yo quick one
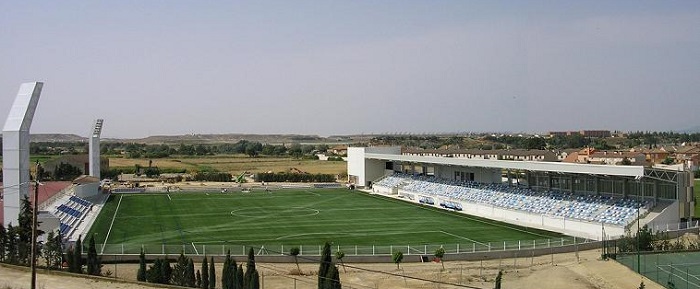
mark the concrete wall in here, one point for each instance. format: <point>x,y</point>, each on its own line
<point>15,150</point>
<point>87,190</point>
<point>368,170</point>
<point>94,149</point>
<point>569,227</point>
<point>481,175</point>
<point>47,221</point>
<point>356,164</point>
<point>668,215</point>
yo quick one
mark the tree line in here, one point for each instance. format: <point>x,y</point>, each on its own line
<point>294,177</point>
<point>233,276</point>
<point>250,148</point>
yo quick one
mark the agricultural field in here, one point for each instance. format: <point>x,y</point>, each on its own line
<point>285,218</point>
<point>235,164</point>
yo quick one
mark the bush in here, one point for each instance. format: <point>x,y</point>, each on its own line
<point>212,177</point>
<point>294,177</point>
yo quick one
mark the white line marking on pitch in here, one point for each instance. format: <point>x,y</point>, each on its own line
<point>195,248</point>
<point>315,194</point>
<point>111,224</point>
<point>169,197</point>
<point>465,238</point>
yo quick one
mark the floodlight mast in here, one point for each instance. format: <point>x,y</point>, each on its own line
<point>15,149</point>
<point>94,148</point>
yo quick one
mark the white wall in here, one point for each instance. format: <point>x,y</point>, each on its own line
<point>367,170</point>
<point>87,190</point>
<point>668,215</point>
<point>356,164</point>
<point>569,227</point>
<point>15,150</point>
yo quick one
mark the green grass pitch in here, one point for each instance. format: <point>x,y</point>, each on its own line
<point>285,218</point>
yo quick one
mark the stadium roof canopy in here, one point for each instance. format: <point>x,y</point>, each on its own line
<point>554,167</point>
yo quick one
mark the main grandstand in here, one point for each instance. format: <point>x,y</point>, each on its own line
<point>583,200</point>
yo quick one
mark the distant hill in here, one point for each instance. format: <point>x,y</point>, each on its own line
<point>228,138</point>
<point>695,129</point>
<point>57,137</point>
<point>197,138</point>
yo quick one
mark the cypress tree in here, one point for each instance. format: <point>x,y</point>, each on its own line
<point>141,275</point>
<point>205,274</point>
<point>324,265</point>
<point>189,273</point>
<point>250,272</point>
<point>225,276</point>
<point>332,280</point>
<point>57,247</point>
<point>155,272</point>
<point>78,256</point>
<point>254,281</point>
<point>11,248</point>
<point>178,275</point>
<point>212,274</point>
<point>239,278</point>
<point>93,262</point>
<point>166,271</point>
<point>198,282</point>
<point>3,242</point>
<point>70,257</point>
<point>24,231</point>
<point>232,278</point>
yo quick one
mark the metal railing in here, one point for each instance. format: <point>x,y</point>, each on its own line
<point>220,249</point>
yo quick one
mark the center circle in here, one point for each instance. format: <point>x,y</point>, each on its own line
<point>274,212</point>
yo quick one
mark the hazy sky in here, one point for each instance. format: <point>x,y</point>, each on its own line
<point>341,67</point>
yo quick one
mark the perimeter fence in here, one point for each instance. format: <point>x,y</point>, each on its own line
<point>680,270</point>
<point>221,248</point>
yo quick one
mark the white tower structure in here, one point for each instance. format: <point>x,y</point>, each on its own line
<point>15,149</point>
<point>94,148</point>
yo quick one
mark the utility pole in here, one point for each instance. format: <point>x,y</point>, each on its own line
<point>35,202</point>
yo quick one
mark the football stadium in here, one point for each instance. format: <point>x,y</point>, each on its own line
<point>474,209</point>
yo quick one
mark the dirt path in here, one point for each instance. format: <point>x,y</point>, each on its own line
<point>566,271</point>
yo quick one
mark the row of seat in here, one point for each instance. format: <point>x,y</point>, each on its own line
<point>593,208</point>
<point>64,229</point>
<point>81,201</point>
<point>70,213</point>
<point>68,210</point>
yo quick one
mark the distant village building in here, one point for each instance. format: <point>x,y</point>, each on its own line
<point>688,155</point>
<point>339,150</point>
<point>585,133</point>
<point>510,155</point>
<point>592,156</point>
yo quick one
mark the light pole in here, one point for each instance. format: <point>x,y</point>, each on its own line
<point>639,269</point>
<point>35,201</point>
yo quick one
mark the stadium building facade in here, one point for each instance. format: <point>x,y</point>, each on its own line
<point>586,200</point>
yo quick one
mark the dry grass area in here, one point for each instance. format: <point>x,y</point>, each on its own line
<point>237,164</point>
<point>558,271</point>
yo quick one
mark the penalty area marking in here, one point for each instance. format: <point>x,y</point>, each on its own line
<point>310,192</point>
<point>195,248</point>
<point>111,224</point>
<point>465,238</point>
